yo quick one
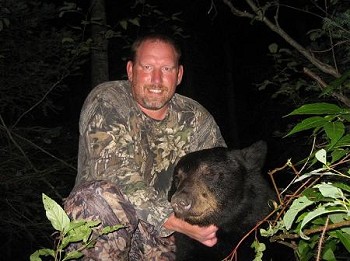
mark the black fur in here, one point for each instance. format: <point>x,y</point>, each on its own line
<point>234,180</point>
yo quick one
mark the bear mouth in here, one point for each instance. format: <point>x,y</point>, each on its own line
<point>202,218</point>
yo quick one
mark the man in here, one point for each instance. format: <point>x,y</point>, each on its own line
<point>132,133</point>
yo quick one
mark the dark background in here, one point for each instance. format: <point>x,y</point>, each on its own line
<point>224,57</point>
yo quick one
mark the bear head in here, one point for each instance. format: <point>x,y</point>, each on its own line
<point>214,186</point>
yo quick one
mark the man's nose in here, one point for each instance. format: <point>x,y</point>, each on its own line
<point>157,76</point>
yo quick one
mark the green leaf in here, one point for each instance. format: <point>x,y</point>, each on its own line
<point>109,229</point>
<point>308,123</point>
<point>78,223</point>
<point>72,255</point>
<point>334,131</point>
<point>124,24</point>
<point>344,141</point>
<point>337,154</point>
<point>345,239</point>
<point>342,186</point>
<point>321,156</point>
<point>272,230</point>
<point>313,194</point>
<point>67,40</point>
<point>259,248</point>
<point>339,81</point>
<point>321,210</point>
<point>304,250</point>
<point>338,218</point>
<point>328,252</point>
<point>317,109</point>
<point>345,117</point>
<point>273,48</point>
<point>81,233</point>
<point>298,205</point>
<point>54,212</point>
<point>330,191</point>
<point>41,252</point>
<point>135,21</point>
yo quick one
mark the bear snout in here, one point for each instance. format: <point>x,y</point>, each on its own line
<point>181,204</point>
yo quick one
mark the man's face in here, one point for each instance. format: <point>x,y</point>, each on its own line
<point>154,75</point>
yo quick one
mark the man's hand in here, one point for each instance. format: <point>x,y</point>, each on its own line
<point>205,235</point>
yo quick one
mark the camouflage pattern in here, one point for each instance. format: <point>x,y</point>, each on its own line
<point>138,240</point>
<point>121,145</point>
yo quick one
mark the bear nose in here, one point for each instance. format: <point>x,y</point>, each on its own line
<point>181,204</point>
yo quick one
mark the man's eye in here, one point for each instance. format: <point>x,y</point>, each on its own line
<point>167,69</point>
<point>147,67</point>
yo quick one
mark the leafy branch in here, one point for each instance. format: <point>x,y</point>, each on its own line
<point>313,215</point>
<point>325,66</point>
<point>69,232</point>
<point>259,14</point>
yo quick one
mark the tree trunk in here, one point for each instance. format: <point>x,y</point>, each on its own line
<point>99,53</point>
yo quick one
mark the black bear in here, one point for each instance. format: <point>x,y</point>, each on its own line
<point>221,187</point>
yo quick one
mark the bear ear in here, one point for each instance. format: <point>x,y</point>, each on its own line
<point>255,154</point>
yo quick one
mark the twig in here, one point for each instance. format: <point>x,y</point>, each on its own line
<point>308,183</point>
<point>320,243</point>
<point>271,173</point>
<point>40,101</point>
<point>234,251</point>
<point>326,227</point>
<point>284,205</point>
<point>324,85</point>
<point>326,68</point>
<point>45,151</point>
<point>9,134</point>
<point>238,12</point>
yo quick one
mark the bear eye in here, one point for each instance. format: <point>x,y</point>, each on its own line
<point>186,168</point>
<point>178,177</point>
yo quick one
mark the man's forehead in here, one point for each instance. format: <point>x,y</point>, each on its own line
<point>156,49</point>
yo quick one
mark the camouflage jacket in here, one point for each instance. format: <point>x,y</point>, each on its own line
<point>119,143</point>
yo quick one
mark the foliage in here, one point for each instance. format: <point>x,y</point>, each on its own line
<point>309,62</point>
<point>296,80</point>
<point>313,213</point>
<point>69,232</point>
<point>311,73</point>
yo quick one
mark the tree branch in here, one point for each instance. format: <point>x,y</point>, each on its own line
<point>321,241</point>
<point>308,232</point>
<point>260,16</point>
<point>342,98</point>
<point>10,136</point>
<point>41,100</point>
<point>238,12</point>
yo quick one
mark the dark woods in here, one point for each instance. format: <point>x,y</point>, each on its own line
<point>53,52</point>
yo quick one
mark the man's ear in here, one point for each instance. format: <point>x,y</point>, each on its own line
<point>180,74</point>
<point>129,67</point>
